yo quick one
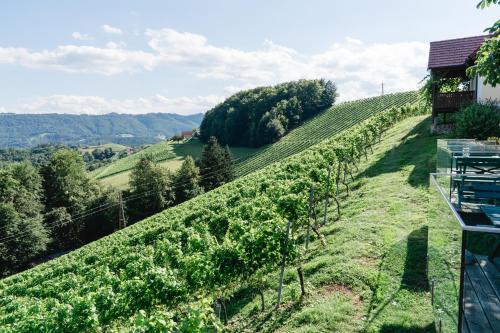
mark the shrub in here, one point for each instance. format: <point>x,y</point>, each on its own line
<point>478,121</point>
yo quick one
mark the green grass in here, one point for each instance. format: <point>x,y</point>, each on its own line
<point>371,276</point>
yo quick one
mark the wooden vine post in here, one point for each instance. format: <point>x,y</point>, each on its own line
<point>280,287</point>
<point>327,194</point>
<point>311,199</point>
<point>337,180</point>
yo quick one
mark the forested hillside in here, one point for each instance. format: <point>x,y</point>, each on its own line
<point>29,130</point>
<point>263,115</point>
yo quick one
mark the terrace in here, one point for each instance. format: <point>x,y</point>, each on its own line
<point>468,184</point>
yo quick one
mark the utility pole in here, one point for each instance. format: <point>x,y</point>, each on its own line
<point>121,213</point>
<point>382,87</point>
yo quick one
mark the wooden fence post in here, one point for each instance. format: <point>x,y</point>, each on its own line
<point>280,288</point>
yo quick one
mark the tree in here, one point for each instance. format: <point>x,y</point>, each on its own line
<point>152,186</point>
<point>104,221</point>
<point>187,181</point>
<point>21,225</point>
<point>69,191</point>
<point>228,171</point>
<point>65,232</point>
<point>67,184</point>
<point>487,63</point>
<point>215,165</point>
<point>242,118</point>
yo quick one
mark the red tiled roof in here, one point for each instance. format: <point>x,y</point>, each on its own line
<point>453,52</point>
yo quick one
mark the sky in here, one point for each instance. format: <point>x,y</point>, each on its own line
<point>96,57</point>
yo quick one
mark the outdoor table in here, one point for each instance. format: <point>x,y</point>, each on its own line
<point>478,164</point>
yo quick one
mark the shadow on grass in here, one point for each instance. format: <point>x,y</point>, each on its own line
<point>274,319</point>
<point>405,154</point>
<point>392,328</point>
<point>414,277</point>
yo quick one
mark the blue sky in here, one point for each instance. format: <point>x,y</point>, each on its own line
<point>186,56</point>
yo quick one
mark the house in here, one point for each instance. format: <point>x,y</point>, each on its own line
<point>450,59</point>
<point>186,134</point>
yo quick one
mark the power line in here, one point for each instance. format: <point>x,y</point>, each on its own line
<point>105,207</point>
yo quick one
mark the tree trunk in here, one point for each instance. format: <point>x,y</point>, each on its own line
<point>301,279</point>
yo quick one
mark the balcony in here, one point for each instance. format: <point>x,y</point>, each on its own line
<point>451,102</point>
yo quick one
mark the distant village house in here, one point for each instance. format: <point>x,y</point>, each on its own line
<point>186,134</point>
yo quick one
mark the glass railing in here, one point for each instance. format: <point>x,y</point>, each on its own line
<point>462,257</point>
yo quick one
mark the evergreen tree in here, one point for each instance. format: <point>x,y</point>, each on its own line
<point>153,186</point>
<point>187,181</point>
<point>228,165</point>
<point>215,165</point>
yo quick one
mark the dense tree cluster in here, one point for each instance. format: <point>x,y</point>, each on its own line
<point>156,188</point>
<point>101,157</point>
<point>38,155</point>
<point>57,206</point>
<point>263,115</point>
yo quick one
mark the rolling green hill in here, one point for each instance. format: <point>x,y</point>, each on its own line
<point>247,160</point>
<point>168,270</point>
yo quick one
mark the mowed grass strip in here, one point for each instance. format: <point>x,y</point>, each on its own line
<point>371,276</point>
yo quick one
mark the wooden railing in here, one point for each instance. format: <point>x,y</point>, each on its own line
<point>452,101</point>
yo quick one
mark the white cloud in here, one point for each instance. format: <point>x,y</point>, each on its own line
<point>113,45</point>
<point>357,67</point>
<point>75,104</point>
<point>353,40</point>
<point>81,59</point>
<point>79,36</point>
<point>111,30</point>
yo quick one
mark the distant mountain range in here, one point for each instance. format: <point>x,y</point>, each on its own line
<point>28,130</point>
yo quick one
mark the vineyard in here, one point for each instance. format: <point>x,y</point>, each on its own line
<point>169,270</point>
<point>321,127</point>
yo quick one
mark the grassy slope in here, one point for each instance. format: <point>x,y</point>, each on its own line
<point>371,276</point>
<point>169,154</point>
